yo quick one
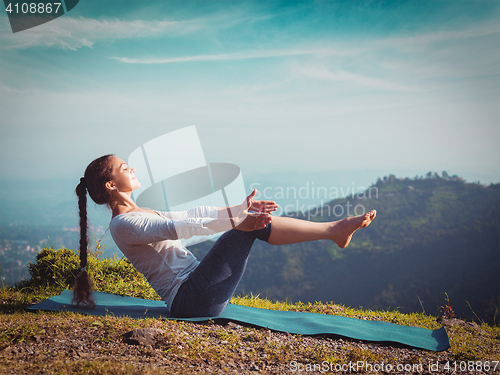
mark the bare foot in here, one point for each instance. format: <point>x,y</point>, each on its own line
<point>343,230</point>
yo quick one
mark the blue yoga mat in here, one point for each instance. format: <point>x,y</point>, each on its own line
<point>283,321</point>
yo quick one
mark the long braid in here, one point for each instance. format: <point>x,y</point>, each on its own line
<point>96,175</point>
<point>82,292</point>
<point>81,191</point>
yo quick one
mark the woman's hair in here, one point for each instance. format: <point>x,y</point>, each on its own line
<point>96,175</point>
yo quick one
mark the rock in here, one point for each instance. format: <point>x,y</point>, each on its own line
<point>231,325</point>
<point>143,336</point>
<point>472,324</point>
<point>450,322</point>
<point>456,322</point>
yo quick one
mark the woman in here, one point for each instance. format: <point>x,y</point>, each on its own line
<point>150,240</point>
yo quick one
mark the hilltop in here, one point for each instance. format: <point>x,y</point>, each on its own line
<point>61,342</point>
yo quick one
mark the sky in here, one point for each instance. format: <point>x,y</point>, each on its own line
<point>303,86</point>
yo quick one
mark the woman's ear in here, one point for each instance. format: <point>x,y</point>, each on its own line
<point>110,186</point>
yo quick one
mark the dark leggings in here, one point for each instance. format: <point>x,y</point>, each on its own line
<point>211,285</point>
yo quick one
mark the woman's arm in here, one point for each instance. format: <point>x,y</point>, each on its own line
<point>143,228</point>
<point>140,228</point>
<point>222,212</point>
<point>195,212</point>
<point>247,216</point>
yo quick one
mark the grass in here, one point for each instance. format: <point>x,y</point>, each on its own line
<point>186,347</point>
<point>468,343</point>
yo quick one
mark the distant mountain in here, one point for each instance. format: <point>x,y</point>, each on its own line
<point>432,235</point>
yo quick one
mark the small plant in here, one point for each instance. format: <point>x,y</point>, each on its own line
<point>447,309</point>
<point>99,248</point>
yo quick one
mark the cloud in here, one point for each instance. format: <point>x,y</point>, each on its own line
<point>446,54</point>
<point>423,41</point>
<point>74,33</point>
<point>233,56</point>
<point>10,90</point>
<point>322,73</point>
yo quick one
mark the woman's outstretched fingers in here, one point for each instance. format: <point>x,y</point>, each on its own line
<point>269,206</point>
<point>263,206</point>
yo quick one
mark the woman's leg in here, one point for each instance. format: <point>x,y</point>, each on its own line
<point>287,230</point>
<point>211,285</point>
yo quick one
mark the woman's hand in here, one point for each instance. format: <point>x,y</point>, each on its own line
<point>260,206</point>
<point>253,221</point>
<point>247,216</point>
<point>248,221</point>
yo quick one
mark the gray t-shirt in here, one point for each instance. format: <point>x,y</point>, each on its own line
<point>151,243</point>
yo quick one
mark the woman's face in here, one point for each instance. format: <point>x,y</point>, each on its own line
<point>124,178</point>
